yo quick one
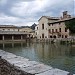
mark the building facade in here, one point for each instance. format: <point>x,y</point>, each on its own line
<point>11,32</point>
<point>52,27</point>
<point>8,28</point>
<point>25,29</point>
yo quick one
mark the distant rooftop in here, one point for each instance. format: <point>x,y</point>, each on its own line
<point>62,20</point>
<point>50,18</point>
<point>53,18</point>
<point>9,26</point>
<point>64,16</point>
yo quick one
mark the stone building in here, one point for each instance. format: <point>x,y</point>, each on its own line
<point>53,27</point>
<point>25,29</point>
<point>8,28</point>
<point>14,33</point>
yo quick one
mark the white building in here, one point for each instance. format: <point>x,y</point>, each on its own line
<point>52,27</point>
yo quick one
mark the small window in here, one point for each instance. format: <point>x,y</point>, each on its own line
<point>36,33</point>
<point>52,30</point>
<point>40,36</point>
<point>42,26</point>
<point>59,29</point>
<point>49,24</point>
<point>56,30</point>
<point>49,30</point>
<point>62,36</point>
<point>65,36</point>
<point>45,36</point>
<point>65,29</point>
<point>50,36</point>
<point>37,28</point>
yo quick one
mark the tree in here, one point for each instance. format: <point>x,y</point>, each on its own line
<point>70,24</point>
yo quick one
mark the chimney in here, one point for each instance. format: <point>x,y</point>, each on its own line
<point>65,14</point>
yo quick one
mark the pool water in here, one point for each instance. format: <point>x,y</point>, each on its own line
<point>55,55</point>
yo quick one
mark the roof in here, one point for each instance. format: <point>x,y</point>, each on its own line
<point>50,18</point>
<point>62,20</point>
<point>8,26</point>
<point>13,32</point>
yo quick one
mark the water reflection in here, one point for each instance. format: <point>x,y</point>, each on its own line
<point>56,55</point>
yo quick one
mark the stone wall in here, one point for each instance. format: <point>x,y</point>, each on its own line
<point>9,69</point>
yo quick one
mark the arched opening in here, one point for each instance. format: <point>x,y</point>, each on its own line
<point>54,36</point>
<point>50,36</point>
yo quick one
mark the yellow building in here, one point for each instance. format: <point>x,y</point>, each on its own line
<point>11,32</point>
<point>8,28</point>
<point>25,29</point>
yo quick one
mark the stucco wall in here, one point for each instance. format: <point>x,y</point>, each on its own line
<point>45,30</point>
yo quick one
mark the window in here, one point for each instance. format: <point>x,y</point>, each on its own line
<point>36,33</point>
<point>65,29</point>
<point>45,36</point>
<point>59,29</point>
<point>42,35</point>
<point>42,26</point>
<point>54,36</point>
<point>49,24</point>
<point>56,30</point>
<point>37,28</point>
<point>65,36</point>
<point>52,30</point>
<point>62,36</point>
<point>50,36</point>
<point>49,30</point>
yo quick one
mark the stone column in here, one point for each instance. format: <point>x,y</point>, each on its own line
<point>3,37</point>
<point>12,37</point>
<point>21,37</point>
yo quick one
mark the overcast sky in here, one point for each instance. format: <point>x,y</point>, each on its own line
<point>27,12</point>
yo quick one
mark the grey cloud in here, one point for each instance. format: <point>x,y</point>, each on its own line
<point>50,10</point>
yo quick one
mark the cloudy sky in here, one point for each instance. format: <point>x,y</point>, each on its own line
<point>27,12</point>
